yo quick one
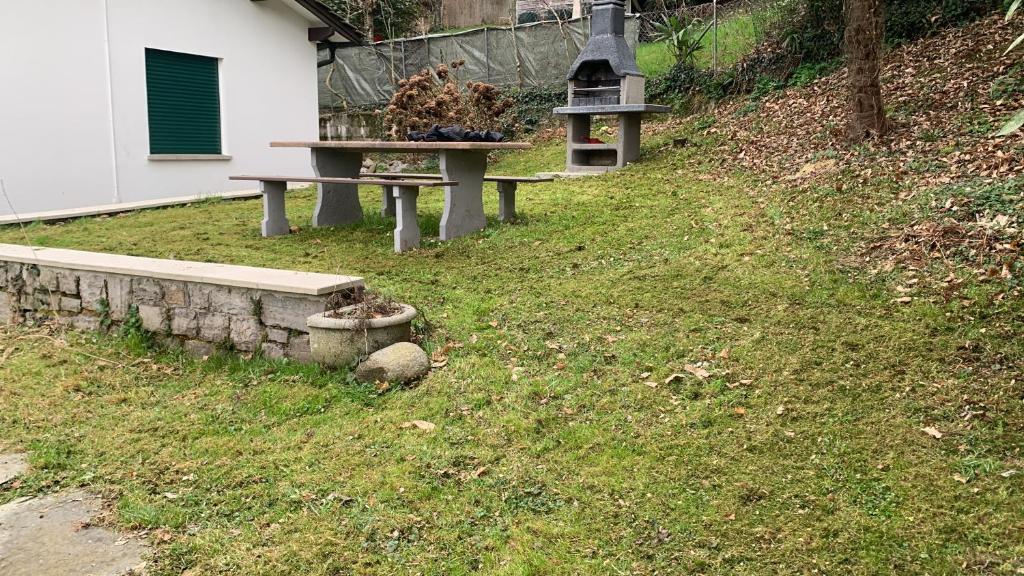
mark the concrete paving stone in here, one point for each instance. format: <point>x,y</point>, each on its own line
<point>12,466</point>
<point>54,535</point>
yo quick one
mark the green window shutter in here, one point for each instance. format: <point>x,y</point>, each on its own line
<point>184,103</point>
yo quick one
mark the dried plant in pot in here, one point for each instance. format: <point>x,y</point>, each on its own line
<point>356,325</point>
<point>435,96</point>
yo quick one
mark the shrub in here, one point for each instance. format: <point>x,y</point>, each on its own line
<point>558,14</point>
<point>532,107</point>
<point>528,18</point>
<point>684,82</point>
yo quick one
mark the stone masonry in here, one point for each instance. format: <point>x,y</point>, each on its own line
<point>199,317</point>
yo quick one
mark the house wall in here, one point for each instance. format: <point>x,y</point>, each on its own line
<point>55,137</point>
<point>71,146</point>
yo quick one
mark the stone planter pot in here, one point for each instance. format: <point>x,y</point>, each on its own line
<point>337,342</point>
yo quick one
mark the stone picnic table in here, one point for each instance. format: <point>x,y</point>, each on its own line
<point>462,162</point>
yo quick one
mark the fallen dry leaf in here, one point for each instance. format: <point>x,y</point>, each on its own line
<point>932,431</point>
<point>421,424</point>
<point>697,371</point>
<point>740,411</point>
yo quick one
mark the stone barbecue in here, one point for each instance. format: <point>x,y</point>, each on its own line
<point>605,81</point>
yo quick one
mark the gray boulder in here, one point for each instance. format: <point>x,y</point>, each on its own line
<point>397,364</point>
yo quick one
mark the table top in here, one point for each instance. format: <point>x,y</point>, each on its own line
<point>382,146</point>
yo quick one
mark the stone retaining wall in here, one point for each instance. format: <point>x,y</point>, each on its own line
<point>200,317</point>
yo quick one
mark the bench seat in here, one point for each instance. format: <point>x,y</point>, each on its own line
<point>403,195</point>
<point>507,187</point>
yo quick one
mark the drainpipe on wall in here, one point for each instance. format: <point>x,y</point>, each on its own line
<point>110,100</point>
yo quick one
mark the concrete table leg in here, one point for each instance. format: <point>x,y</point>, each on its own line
<point>463,204</point>
<point>407,230</point>
<point>337,204</point>
<point>275,221</point>
<point>387,207</point>
<point>507,201</point>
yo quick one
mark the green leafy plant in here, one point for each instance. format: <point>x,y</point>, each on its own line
<point>135,336</point>
<point>104,311</point>
<point>1017,120</point>
<point>683,38</point>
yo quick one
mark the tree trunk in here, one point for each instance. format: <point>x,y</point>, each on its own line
<point>865,27</point>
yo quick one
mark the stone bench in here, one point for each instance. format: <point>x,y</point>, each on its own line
<point>507,187</point>
<point>197,305</point>
<point>275,221</point>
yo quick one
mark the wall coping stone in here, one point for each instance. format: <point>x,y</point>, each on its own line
<point>285,281</point>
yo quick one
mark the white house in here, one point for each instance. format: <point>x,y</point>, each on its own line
<point>108,103</point>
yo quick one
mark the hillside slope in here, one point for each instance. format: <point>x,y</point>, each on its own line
<point>945,96</point>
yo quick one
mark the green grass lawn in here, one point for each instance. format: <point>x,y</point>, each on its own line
<point>654,58</point>
<point>564,445</point>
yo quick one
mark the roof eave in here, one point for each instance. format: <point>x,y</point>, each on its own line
<point>343,31</point>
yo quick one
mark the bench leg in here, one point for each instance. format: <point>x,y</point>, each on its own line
<point>337,204</point>
<point>387,207</point>
<point>407,230</point>
<point>275,221</point>
<point>507,201</point>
